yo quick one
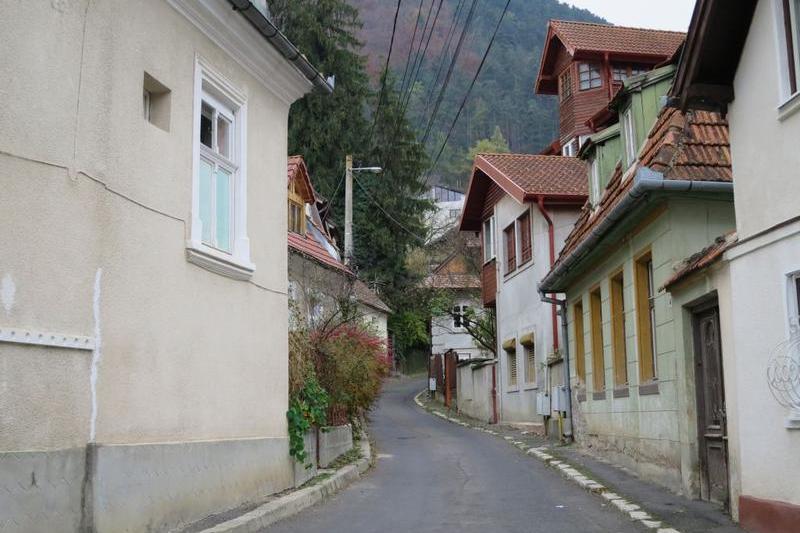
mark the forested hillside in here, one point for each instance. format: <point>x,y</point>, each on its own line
<point>503,96</point>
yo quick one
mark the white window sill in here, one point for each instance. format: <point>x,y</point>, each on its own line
<point>517,271</point>
<point>793,420</point>
<point>789,107</point>
<point>513,389</point>
<point>219,262</point>
<point>530,386</point>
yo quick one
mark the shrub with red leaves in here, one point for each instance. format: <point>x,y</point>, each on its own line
<point>350,364</point>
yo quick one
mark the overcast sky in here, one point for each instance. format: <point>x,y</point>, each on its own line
<point>661,14</point>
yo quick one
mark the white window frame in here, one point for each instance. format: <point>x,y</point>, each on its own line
<point>589,68</point>
<point>570,149</point>
<point>211,86</point>
<point>629,132</point>
<point>793,304</point>
<point>490,248</point>
<point>594,174</point>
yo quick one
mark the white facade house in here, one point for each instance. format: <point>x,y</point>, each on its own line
<point>523,206</point>
<point>752,72</point>
<point>447,210</point>
<point>143,277</point>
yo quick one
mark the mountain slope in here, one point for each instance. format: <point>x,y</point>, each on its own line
<point>503,95</point>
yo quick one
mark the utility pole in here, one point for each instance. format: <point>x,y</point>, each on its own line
<point>348,204</point>
<point>348,210</point>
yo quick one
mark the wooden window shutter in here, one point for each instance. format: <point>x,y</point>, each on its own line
<point>511,248</point>
<point>526,247</point>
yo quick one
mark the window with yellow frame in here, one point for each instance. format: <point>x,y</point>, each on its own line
<point>297,217</point>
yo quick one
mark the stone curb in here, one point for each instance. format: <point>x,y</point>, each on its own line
<point>294,502</point>
<point>633,511</point>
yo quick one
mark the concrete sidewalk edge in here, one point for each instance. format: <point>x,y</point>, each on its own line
<point>295,502</point>
<point>633,511</point>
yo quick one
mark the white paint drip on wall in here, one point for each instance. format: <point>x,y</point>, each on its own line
<point>7,292</point>
<point>96,354</point>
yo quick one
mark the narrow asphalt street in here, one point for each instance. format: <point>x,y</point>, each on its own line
<point>435,476</point>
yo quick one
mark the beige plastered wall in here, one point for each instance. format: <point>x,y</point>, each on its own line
<point>96,207</point>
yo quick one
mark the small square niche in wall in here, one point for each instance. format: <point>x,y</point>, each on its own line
<point>156,102</point>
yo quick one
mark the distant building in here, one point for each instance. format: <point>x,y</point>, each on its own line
<point>523,207</point>
<point>447,210</point>
<point>585,63</point>
<point>319,281</point>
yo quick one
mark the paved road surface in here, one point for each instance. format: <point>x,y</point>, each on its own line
<point>435,476</point>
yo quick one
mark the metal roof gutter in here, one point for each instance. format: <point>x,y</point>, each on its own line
<point>645,182</point>
<point>281,43</point>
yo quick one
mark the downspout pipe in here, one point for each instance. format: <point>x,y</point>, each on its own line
<point>645,182</point>
<point>562,309</point>
<point>281,43</point>
<point>552,239</point>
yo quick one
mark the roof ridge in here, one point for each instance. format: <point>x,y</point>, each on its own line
<point>582,23</point>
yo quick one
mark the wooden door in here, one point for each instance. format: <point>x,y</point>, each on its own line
<point>711,418</point>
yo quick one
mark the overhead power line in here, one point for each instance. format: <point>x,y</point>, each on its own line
<point>440,97</point>
<point>445,52</point>
<point>420,60</point>
<point>471,85</point>
<point>411,45</point>
<point>385,212</point>
<point>385,70</point>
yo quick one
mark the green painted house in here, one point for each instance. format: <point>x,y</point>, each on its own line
<point>661,194</point>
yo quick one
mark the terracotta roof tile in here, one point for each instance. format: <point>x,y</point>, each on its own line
<point>680,147</point>
<point>307,245</point>
<point>689,147</point>
<point>550,175</point>
<point>524,177</point>
<point>591,37</point>
<point>367,296</point>
<point>702,259</point>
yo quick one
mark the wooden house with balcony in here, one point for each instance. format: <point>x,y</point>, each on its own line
<point>584,64</point>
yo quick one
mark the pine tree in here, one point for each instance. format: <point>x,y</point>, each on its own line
<point>389,210</point>
<point>325,127</point>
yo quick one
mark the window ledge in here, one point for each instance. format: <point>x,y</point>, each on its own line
<point>622,392</point>
<point>219,262</point>
<point>581,395</point>
<point>789,107</point>
<point>531,386</point>
<point>599,395</point>
<point>517,271</point>
<point>515,388</point>
<point>793,420</point>
<point>648,389</point>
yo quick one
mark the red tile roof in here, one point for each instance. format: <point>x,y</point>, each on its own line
<point>310,247</point>
<point>539,174</point>
<point>702,259</point>
<point>368,297</point>
<point>525,178</point>
<point>696,148</point>
<point>588,39</point>
<point>679,146</point>
<point>593,37</point>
